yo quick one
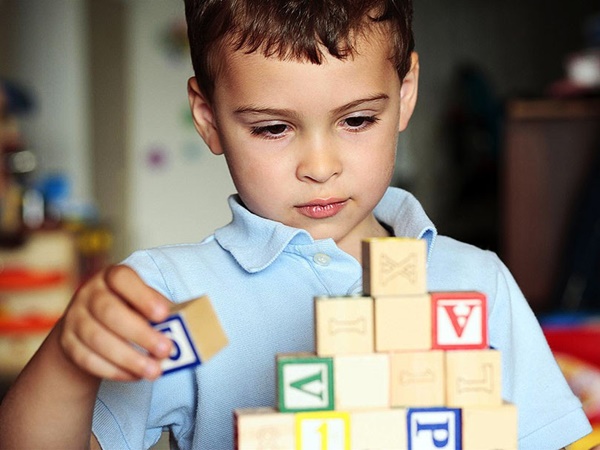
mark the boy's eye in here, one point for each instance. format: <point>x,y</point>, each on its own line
<point>359,122</point>
<point>270,131</point>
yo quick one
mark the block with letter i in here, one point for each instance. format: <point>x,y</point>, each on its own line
<point>196,332</point>
<point>343,325</point>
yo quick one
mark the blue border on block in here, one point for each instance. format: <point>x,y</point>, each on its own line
<point>457,417</point>
<point>197,360</point>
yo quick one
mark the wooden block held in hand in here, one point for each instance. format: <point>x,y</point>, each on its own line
<point>473,377</point>
<point>459,320</point>
<point>343,325</point>
<point>490,427</point>
<point>196,332</point>
<point>394,266</point>
<point>304,382</point>
<point>264,428</point>
<point>418,378</point>
<point>403,323</point>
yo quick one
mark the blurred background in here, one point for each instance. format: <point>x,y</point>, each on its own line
<point>99,155</point>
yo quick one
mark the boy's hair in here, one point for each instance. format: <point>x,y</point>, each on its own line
<point>292,29</point>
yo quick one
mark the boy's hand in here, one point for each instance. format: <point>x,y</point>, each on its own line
<point>107,317</point>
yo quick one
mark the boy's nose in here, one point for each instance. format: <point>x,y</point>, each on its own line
<point>319,162</point>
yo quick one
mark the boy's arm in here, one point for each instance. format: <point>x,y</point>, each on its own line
<point>51,403</point>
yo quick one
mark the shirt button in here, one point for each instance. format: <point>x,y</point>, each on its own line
<point>322,259</point>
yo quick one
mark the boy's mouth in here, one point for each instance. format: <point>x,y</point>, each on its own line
<point>322,209</point>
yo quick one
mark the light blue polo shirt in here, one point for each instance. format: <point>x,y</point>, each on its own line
<point>262,276</point>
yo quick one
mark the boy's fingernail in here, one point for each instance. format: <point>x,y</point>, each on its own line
<point>163,347</point>
<point>152,370</point>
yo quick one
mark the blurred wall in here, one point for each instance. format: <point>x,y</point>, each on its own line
<point>111,77</point>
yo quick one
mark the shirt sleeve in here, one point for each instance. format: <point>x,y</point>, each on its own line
<point>550,415</point>
<point>132,415</point>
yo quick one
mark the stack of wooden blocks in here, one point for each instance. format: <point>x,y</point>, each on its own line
<point>398,368</point>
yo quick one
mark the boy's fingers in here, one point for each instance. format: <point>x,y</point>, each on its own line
<point>122,321</point>
<point>106,355</point>
<point>126,283</point>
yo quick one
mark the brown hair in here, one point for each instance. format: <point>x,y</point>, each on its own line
<point>294,29</point>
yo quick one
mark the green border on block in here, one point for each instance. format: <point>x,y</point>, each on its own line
<point>300,360</point>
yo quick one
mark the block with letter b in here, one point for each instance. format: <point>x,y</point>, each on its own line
<point>459,320</point>
<point>434,429</point>
<point>304,382</point>
<point>394,266</point>
<point>196,332</point>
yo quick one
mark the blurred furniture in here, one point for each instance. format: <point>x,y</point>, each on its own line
<point>550,145</point>
<point>37,281</point>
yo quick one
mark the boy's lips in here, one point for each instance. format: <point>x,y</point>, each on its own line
<point>321,209</point>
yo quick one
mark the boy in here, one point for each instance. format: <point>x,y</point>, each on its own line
<point>305,100</point>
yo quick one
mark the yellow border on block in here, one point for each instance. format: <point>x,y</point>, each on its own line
<point>325,416</point>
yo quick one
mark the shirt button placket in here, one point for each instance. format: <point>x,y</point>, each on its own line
<point>322,259</point>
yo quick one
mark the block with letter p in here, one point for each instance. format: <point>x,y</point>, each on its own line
<point>196,332</point>
<point>459,320</point>
<point>434,428</point>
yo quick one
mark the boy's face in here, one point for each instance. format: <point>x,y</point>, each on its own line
<point>311,146</point>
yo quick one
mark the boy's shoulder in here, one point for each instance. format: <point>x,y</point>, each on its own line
<point>456,265</point>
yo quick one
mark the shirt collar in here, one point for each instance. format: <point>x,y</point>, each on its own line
<point>248,232</point>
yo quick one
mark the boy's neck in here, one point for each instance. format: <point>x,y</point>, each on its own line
<point>354,247</point>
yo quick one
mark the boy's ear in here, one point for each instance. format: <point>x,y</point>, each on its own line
<point>203,117</point>
<point>408,92</point>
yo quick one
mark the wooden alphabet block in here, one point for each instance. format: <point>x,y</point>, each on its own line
<point>380,429</point>
<point>434,428</point>
<point>264,428</point>
<point>490,427</point>
<point>343,325</point>
<point>473,377</point>
<point>459,320</point>
<point>394,266</point>
<point>329,430</point>
<point>304,382</point>
<point>361,381</point>
<point>196,333</point>
<point>418,378</point>
<point>403,323</point>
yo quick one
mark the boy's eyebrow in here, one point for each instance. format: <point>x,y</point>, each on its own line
<point>252,109</point>
<point>373,98</point>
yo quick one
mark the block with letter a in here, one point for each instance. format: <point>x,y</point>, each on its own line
<point>459,320</point>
